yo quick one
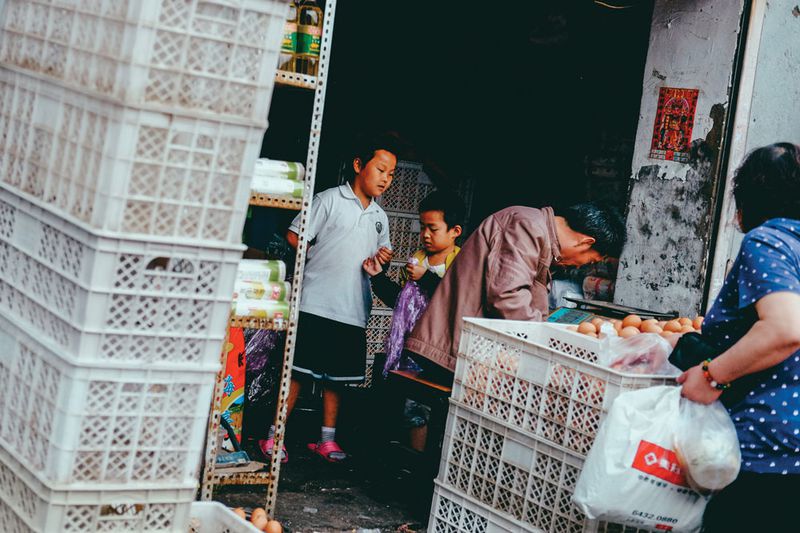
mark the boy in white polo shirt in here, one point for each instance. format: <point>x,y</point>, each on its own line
<point>345,226</point>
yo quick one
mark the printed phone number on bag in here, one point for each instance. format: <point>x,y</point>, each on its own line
<point>658,518</point>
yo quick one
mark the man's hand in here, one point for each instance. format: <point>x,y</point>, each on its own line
<point>415,272</point>
<point>371,266</point>
<point>384,255</point>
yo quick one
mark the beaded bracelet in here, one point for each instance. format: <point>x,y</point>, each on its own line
<point>712,381</point>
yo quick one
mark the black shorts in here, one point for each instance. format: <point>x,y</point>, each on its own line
<point>329,350</point>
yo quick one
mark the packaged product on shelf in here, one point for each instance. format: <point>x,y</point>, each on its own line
<point>287,58</point>
<point>261,270</point>
<point>261,290</point>
<point>284,186</point>
<point>309,37</point>
<point>261,309</point>
<point>273,168</point>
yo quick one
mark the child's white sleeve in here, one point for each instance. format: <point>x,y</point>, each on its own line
<point>384,238</point>
<point>316,217</point>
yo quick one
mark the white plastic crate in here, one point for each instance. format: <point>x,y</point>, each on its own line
<point>409,187</point>
<point>214,517</point>
<point>107,300</point>
<point>207,56</point>
<point>377,330</point>
<point>538,377</point>
<point>455,513</point>
<point>527,480</point>
<point>404,232</point>
<point>124,170</point>
<point>28,505</point>
<point>97,428</point>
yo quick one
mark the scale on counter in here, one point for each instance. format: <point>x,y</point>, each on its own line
<point>590,308</point>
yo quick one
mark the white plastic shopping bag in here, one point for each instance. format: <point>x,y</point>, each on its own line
<point>632,474</point>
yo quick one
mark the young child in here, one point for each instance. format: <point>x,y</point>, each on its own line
<point>345,224</point>
<point>440,225</point>
<point>440,217</point>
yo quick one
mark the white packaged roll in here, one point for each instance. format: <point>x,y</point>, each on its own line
<point>262,290</point>
<point>261,309</point>
<point>277,185</point>
<point>263,270</point>
<point>275,168</point>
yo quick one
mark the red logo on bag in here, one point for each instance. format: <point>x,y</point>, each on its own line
<point>659,462</point>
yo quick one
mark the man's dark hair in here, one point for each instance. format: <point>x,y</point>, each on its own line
<point>767,185</point>
<point>366,145</point>
<point>602,222</point>
<point>448,203</point>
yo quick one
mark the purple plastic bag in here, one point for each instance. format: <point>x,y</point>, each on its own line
<point>411,303</point>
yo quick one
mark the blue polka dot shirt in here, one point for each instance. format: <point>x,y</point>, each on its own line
<point>767,419</point>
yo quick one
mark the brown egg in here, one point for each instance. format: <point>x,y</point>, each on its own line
<point>629,331</point>
<point>697,323</point>
<point>685,321</point>
<point>632,320</point>
<point>673,325</point>
<point>240,513</point>
<point>662,323</point>
<point>273,526</point>
<point>649,321</point>
<point>650,328</point>
<point>259,522</point>
<point>687,329</point>
<point>592,334</point>
<point>586,327</point>
<point>667,334</point>
<point>597,322</point>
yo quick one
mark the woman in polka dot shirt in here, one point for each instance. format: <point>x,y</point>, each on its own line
<point>754,326</point>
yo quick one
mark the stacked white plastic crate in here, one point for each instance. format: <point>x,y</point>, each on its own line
<point>128,132</point>
<point>527,402</point>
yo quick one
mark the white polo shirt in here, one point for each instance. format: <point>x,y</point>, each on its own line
<point>334,284</point>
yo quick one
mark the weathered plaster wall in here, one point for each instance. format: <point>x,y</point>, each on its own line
<point>671,206</point>
<point>768,109</point>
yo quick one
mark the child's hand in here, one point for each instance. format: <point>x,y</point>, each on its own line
<point>371,266</point>
<point>384,255</point>
<point>415,272</point>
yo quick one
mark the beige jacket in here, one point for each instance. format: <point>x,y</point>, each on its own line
<point>503,271</point>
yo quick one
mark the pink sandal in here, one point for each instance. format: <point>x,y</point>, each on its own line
<point>266,448</point>
<point>325,450</point>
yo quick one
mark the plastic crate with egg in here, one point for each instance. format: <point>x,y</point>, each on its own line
<point>539,378</point>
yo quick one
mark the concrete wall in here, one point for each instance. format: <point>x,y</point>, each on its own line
<point>671,207</point>
<point>768,109</point>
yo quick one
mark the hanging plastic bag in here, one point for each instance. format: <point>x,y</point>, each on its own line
<point>646,353</point>
<point>632,474</point>
<point>707,445</point>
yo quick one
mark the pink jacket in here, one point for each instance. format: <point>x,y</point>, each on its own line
<point>503,271</point>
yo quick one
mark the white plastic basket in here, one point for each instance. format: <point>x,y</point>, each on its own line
<point>455,513</point>
<point>538,378</point>
<point>214,517</point>
<point>515,481</point>
<point>125,170</point>
<point>106,300</point>
<point>404,233</point>
<point>409,187</point>
<point>100,428</point>
<point>28,505</point>
<point>207,56</point>
<point>517,475</point>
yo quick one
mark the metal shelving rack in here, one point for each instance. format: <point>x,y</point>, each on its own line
<point>211,476</point>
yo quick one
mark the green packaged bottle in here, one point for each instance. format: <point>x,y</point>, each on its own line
<point>288,58</point>
<point>309,37</point>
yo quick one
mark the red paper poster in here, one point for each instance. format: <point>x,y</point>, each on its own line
<point>672,131</point>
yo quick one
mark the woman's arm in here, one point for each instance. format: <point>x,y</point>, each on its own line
<point>773,338</point>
